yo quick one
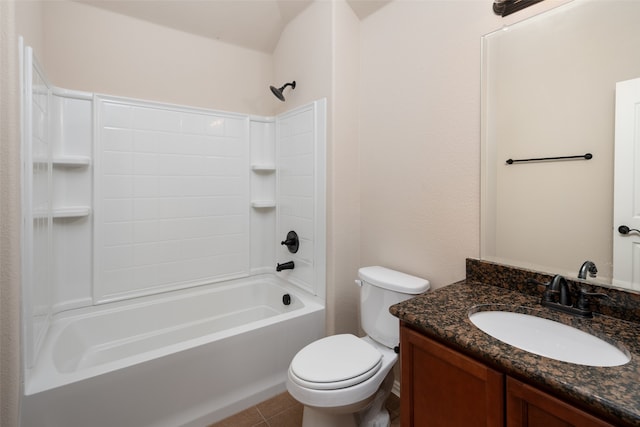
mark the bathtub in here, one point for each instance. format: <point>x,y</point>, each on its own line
<point>186,358</point>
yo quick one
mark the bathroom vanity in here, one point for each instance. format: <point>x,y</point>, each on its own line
<point>454,374</point>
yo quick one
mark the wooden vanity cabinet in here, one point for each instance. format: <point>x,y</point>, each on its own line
<point>443,388</point>
<point>529,407</point>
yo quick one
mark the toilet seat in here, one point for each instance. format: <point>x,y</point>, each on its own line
<point>335,362</point>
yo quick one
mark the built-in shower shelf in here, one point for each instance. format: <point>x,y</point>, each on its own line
<point>70,212</point>
<point>71,161</point>
<point>65,161</point>
<point>263,204</point>
<point>265,167</point>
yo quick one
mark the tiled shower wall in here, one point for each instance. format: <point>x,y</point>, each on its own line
<point>171,198</point>
<point>301,188</point>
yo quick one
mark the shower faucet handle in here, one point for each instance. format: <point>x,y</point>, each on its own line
<point>292,243</point>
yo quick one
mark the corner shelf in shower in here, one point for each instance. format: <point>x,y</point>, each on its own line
<point>71,161</point>
<point>265,184</point>
<point>263,204</point>
<point>66,161</point>
<point>69,212</point>
<point>72,212</point>
<point>265,167</point>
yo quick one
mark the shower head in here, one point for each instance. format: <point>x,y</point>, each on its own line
<point>278,91</point>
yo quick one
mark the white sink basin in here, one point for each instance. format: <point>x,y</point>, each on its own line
<point>548,338</point>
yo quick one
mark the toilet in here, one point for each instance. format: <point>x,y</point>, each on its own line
<point>343,380</point>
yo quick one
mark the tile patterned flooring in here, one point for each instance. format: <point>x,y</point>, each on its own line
<point>284,411</point>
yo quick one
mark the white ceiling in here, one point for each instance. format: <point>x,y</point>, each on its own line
<point>254,24</point>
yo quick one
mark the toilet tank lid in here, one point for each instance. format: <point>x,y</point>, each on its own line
<point>393,280</point>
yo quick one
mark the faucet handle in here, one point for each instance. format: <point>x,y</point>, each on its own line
<point>536,282</point>
<point>547,296</point>
<point>583,298</point>
<point>292,242</point>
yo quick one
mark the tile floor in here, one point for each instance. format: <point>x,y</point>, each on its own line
<point>284,411</point>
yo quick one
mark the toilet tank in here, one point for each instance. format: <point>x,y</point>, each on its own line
<point>380,289</point>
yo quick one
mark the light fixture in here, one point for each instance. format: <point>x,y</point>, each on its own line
<point>507,7</point>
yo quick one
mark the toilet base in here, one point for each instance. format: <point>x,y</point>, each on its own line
<point>313,417</point>
<point>369,413</point>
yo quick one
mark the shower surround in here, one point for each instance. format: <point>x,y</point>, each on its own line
<point>129,202</point>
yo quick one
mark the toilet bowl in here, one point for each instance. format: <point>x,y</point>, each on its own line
<point>343,380</point>
<point>339,394</point>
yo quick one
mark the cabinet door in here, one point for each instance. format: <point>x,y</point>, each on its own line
<point>443,388</point>
<point>530,407</point>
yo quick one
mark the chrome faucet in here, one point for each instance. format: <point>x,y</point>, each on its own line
<point>587,267</point>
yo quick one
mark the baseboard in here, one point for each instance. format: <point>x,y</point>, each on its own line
<point>396,388</point>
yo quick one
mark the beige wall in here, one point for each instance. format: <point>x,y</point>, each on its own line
<point>99,51</point>
<point>29,25</point>
<point>304,54</point>
<point>419,137</point>
<point>344,182</point>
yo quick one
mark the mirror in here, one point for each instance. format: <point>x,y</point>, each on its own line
<point>549,90</point>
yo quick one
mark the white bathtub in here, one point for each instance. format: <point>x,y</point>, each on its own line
<point>187,358</point>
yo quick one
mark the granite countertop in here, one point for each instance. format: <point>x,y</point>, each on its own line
<point>611,392</point>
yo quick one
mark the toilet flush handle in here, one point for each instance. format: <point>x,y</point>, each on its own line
<point>358,282</point>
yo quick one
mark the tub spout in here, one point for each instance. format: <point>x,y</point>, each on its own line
<point>285,266</point>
